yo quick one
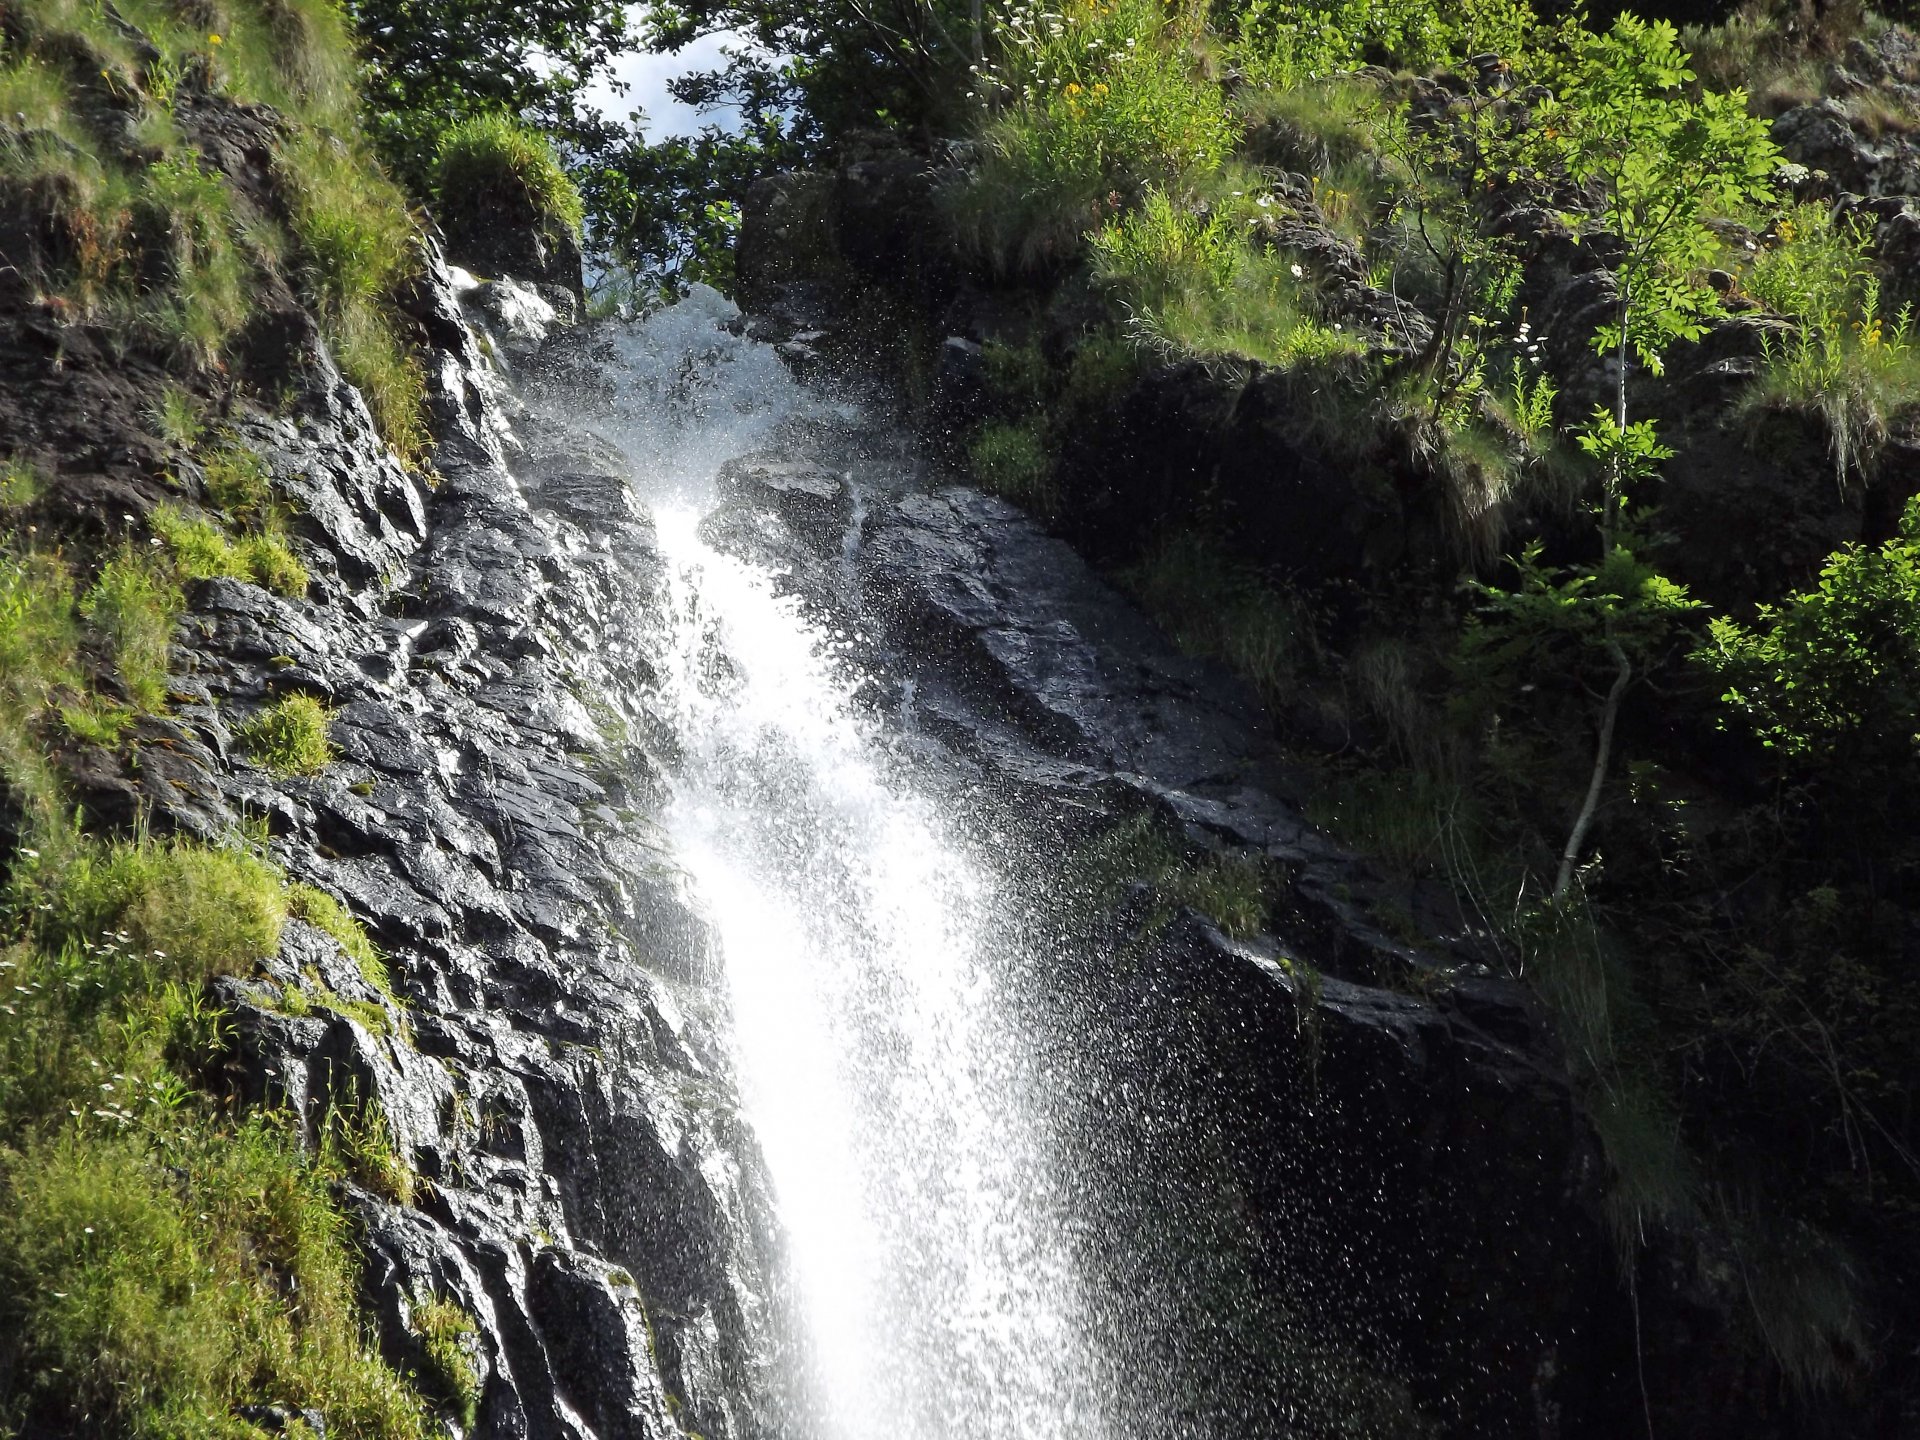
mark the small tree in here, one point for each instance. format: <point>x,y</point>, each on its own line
<point>1655,161</point>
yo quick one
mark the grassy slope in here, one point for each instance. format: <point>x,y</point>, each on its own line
<point>164,1258</point>
<point>1743,1062</point>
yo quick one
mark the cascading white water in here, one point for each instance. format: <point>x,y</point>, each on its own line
<point>883,1066</point>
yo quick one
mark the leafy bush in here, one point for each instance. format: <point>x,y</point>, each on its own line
<point>290,736</point>
<point>1832,675</point>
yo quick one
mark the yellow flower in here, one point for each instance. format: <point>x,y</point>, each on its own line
<point>214,40</point>
<point>1073,89</point>
<point>1100,89</point>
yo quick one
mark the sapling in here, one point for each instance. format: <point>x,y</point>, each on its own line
<point>1656,161</point>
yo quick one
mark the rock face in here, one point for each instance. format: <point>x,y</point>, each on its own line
<point>1346,1170</point>
<point>554,1074</point>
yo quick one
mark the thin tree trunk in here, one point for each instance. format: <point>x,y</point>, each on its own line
<point>1602,756</point>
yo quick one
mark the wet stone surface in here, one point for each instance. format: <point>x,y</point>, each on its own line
<point>554,1074</point>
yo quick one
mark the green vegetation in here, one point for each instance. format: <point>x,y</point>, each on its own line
<point>325,913</point>
<point>1666,778</point>
<point>492,164</point>
<point>289,737</point>
<point>135,604</point>
<point>142,233</point>
<point>1011,459</point>
<point>150,1241</point>
<point>201,550</point>
<point>1844,359</point>
<point>446,1331</point>
<point>1216,606</point>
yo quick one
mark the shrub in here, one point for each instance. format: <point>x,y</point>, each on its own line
<point>491,163</point>
<point>1194,285</point>
<point>1102,102</point>
<point>290,736</point>
<point>1832,674</point>
<point>135,605</point>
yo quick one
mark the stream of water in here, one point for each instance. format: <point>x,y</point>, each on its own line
<point>869,956</point>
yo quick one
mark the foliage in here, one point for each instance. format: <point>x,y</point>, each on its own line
<point>289,737</point>
<point>160,1260</point>
<point>1832,675</point>
<point>1193,283</point>
<point>1282,46</point>
<point>1844,359</point>
<point>145,232</point>
<point>1011,459</point>
<point>1086,112</point>
<point>135,604</point>
<point>433,65</point>
<point>201,550</point>
<point>1216,607</point>
<point>446,1331</point>
<point>1661,159</point>
<point>355,239</point>
<point>665,214</point>
<point>323,912</point>
<point>492,162</point>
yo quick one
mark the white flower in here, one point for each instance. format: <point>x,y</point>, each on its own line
<point>1298,273</point>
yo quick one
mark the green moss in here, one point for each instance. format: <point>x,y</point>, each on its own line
<point>447,1334</point>
<point>290,736</point>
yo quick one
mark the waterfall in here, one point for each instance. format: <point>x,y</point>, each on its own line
<point>870,951</point>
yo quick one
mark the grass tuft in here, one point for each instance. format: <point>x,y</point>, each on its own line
<point>323,912</point>
<point>201,550</point>
<point>447,1334</point>
<point>1011,459</point>
<point>290,737</point>
<point>492,163</point>
<point>135,604</point>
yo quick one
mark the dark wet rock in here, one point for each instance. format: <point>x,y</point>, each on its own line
<point>554,1071</point>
